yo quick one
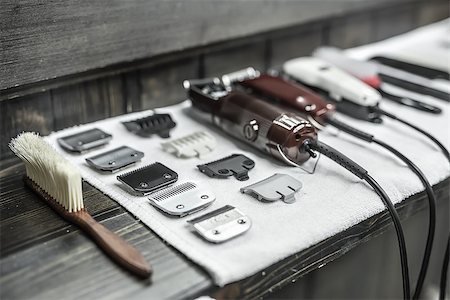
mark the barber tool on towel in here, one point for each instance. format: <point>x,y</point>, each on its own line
<point>368,73</point>
<point>283,135</point>
<point>350,95</point>
<point>221,224</point>
<point>159,124</point>
<point>413,77</point>
<point>321,113</point>
<point>84,141</point>
<point>58,183</point>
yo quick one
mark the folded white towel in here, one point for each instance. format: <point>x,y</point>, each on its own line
<point>330,201</point>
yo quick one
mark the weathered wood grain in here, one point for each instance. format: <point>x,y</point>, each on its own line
<point>162,85</point>
<point>393,21</point>
<point>238,55</point>
<point>295,42</point>
<point>59,261</point>
<point>352,31</point>
<point>62,259</point>
<point>29,113</point>
<point>52,39</point>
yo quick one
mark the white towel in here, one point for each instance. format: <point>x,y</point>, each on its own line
<point>330,201</point>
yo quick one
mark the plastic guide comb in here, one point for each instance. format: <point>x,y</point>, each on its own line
<point>274,188</point>
<point>116,159</point>
<point>193,145</point>
<point>236,165</point>
<point>159,124</point>
<point>84,141</point>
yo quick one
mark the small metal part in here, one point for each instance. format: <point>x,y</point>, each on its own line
<point>222,224</point>
<point>148,179</point>
<point>183,199</point>
<point>276,187</point>
<point>236,165</point>
<point>251,130</point>
<point>84,141</point>
<point>116,159</point>
<point>240,75</point>
<point>159,124</point>
<point>193,145</point>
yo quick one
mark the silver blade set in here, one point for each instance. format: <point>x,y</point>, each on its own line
<point>157,182</point>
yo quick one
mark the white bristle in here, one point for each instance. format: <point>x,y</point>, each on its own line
<point>48,169</point>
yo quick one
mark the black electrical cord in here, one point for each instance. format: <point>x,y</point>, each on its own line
<point>360,172</point>
<point>444,272</point>
<point>428,189</point>
<point>394,117</point>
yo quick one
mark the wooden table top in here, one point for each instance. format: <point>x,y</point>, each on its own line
<point>43,256</point>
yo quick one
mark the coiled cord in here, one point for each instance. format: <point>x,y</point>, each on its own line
<point>359,171</point>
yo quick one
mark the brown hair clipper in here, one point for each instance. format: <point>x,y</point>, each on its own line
<point>254,121</point>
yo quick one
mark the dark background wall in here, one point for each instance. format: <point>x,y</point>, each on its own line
<point>45,105</point>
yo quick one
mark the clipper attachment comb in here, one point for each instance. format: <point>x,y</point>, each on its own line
<point>116,159</point>
<point>276,187</point>
<point>196,144</point>
<point>236,165</point>
<point>182,200</point>
<point>84,141</point>
<point>159,124</point>
<point>148,179</point>
<point>222,224</point>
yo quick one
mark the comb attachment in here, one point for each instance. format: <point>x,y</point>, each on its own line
<point>116,159</point>
<point>236,165</point>
<point>222,224</point>
<point>193,145</point>
<point>182,200</point>
<point>159,124</point>
<point>148,179</point>
<point>274,188</point>
<point>84,141</point>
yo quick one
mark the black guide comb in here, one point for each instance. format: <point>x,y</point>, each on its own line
<point>148,179</point>
<point>236,165</point>
<point>159,124</point>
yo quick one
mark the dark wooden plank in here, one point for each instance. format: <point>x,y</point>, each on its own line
<point>53,259</point>
<point>394,21</point>
<point>83,103</point>
<point>47,40</point>
<point>29,113</point>
<point>26,220</point>
<point>228,58</point>
<point>298,41</point>
<point>432,11</point>
<point>161,85</point>
<point>351,31</point>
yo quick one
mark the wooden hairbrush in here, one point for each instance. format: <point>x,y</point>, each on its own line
<point>58,183</point>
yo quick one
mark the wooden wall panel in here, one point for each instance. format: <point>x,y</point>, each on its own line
<point>393,21</point>
<point>230,58</point>
<point>432,11</point>
<point>29,113</point>
<point>161,85</point>
<point>295,42</point>
<point>351,31</point>
<point>45,40</point>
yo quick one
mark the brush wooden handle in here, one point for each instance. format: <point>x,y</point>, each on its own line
<point>119,250</point>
